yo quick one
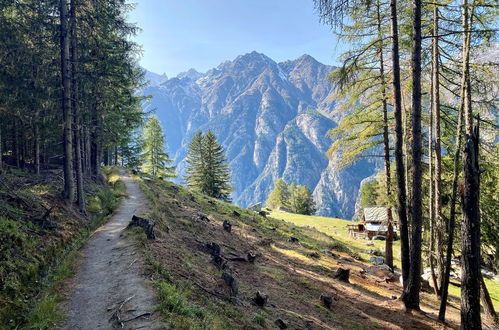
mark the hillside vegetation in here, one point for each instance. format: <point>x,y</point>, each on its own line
<point>39,234</point>
<point>293,266</point>
<point>337,228</point>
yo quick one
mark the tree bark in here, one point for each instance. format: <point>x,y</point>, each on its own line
<point>411,293</point>
<point>37,148</point>
<point>488,306</point>
<point>470,235</point>
<point>386,145</point>
<point>439,222</point>
<point>399,157</point>
<point>465,81</point>
<point>1,151</point>
<point>66,105</point>
<point>431,217</point>
<point>80,194</point>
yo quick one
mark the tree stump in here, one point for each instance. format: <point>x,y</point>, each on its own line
<point>260,299</point>
<point>251,257</point>
<point>231,282</point>
<point>146,224</point>
<point>342,274</point>
<point>200,217</point>
<point>327,300</point>
<point>227,226</point>
<point>281,324</point>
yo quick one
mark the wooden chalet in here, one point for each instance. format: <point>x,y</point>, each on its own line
<point>374,222</point>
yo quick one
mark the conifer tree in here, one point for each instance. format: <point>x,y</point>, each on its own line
<point>301,200</point>
<point>207,169</point>
<point>195,163</point>
<point>279,196</point>
<point>155,159</point>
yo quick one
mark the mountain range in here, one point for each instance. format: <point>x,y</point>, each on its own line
<point>272,119</point>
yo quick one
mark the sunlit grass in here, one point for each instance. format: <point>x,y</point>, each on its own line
<point>337,228</point>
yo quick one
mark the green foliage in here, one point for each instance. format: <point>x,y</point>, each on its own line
<point>34,261</point>
<point>301,200</point>
<point>207,169</point>
<point>296,197</point>
<point>156,160</point>
<point>279,196</point>
<point>369,194</point>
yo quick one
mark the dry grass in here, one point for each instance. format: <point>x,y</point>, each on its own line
<point>293,275</point>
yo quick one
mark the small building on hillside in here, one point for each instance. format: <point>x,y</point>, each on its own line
<point>374,222</point>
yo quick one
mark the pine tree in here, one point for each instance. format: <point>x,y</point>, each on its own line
<point>217,172</point>
<point>301,200</point>
<point>207,169</point>
<point>195,163</point>
<point>279,196</point>
<point>155,159</point>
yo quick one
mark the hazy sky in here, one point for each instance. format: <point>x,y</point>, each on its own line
<point>181,34</point>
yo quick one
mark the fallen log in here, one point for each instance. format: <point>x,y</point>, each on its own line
<point>146,224</point>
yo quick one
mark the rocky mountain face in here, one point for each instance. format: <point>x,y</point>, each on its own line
<point>271,118</point>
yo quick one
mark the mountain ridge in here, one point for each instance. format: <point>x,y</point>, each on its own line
<point>271,118</point>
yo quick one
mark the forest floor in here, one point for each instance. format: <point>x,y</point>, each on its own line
<point>294,265</point>
<point>109,289</point>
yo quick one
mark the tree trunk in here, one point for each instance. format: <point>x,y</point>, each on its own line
<point>386,145</point>
<point>411,293</point>
<point>1,151</point>
<point>116,155</point>
<point>66,106</point>
<point>37,148</point>
<point>96,142</point>
<point>399,157</point>
<point>470,234</point>
<point>76,111</point>
<point>431,217</point>
<point>465,81</point>
<point>439,222</point>
<point>488,306</point>
<point>15,142</point>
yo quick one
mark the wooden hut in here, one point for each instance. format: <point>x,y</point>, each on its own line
<point>374,222</point>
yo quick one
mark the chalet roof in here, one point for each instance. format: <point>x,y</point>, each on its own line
<point>375,214</point>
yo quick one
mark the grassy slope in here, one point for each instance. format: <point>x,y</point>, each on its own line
<point>36,258</point>
<point>192,294</point>
<point>337,229</point>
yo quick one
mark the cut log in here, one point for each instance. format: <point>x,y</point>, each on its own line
<point>146,224</point>
<point>327,300</point>
<point>231,282</point>
<point>342,274</point>
<point>227,226</point>
<point>260,299</point>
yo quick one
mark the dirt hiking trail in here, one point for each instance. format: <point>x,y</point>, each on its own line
<point>109,289</point>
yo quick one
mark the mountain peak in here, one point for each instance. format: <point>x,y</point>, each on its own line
<point>192,74</point>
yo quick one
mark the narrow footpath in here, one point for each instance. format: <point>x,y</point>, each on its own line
<point>110,290</point>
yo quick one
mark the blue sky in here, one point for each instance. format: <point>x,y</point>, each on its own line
<point>181,34</point>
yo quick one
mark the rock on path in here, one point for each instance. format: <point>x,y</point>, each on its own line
<point>110,275</point>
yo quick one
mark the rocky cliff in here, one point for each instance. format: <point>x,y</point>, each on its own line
<point>272,119</point>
